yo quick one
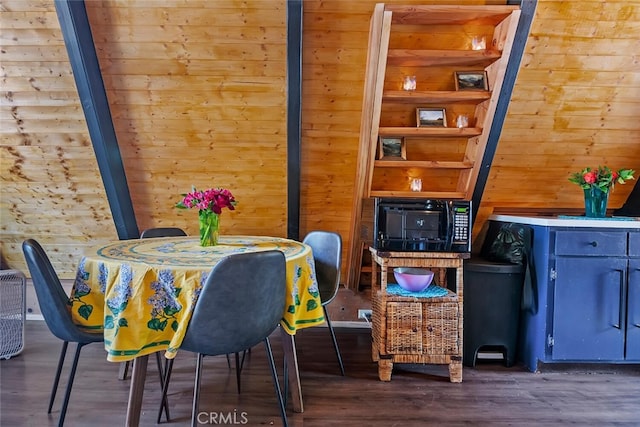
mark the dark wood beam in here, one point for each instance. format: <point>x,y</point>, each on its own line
<point>294,108</point>
<point>78,40</point>
<point>528,8</point>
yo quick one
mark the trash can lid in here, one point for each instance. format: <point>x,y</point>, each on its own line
<point>482,265</point>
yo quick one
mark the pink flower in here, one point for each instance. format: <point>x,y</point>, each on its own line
<point>602,177</point>
<point>590,177</point>
<point>213,200</point>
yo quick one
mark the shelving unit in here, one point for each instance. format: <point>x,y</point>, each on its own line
<point>409,329</point>
<point>409,41</point>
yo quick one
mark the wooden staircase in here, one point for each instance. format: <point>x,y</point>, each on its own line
<point>430,42</point>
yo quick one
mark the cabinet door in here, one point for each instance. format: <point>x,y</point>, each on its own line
<point>633,311</point>
<point>588,311</point>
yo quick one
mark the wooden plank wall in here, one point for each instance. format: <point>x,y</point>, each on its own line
<point>575,104</point>
<point>198,96</point>
<point>51,187</point>
<point>197,91</point>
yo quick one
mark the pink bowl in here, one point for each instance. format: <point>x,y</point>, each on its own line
<point>413,279</point>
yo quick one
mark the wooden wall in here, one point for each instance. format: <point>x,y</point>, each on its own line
<point>198,96</point>
<point>575,104</point>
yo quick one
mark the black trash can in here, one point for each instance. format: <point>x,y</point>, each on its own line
<point>492,293</point>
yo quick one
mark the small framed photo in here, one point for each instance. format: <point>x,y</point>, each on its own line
<point>431,117</point>
<point>392,148</point>
<point>471,80</point>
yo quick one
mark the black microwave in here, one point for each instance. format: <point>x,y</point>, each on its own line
<point>422,225</point>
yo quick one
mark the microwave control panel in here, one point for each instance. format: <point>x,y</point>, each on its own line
<point>461,225</point>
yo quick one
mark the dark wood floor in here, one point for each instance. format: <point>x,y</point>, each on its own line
<point>418,395</point>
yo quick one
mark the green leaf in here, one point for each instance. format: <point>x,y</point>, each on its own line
<point>85,311</point>
<point>123,322</point>
<point>79,295</point>
<point>155,324</point>
<point>170,312</point>
<point>108,322</point>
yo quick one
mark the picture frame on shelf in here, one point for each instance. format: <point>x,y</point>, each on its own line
<point>471,80</point>
<point>431,117</point>
<point>391,148</point>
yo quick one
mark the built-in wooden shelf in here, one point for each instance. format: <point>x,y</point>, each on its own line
<point>432,164</point>
<point>435,96</point>
<point>429,131</point>
<point>427,14</point>
<point>418,194</point>
<point>440,58</point>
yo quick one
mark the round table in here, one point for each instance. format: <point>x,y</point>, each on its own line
<point>142,292</point>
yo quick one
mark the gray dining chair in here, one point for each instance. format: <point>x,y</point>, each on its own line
<point>327,255</point>
<point>240,305</point>
<point>54,306</point>
<point>162,232</point>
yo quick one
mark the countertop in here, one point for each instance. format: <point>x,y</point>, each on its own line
<point>571,221</point>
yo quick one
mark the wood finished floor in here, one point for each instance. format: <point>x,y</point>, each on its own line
<point>418,395</point>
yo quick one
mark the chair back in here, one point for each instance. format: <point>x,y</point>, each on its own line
<point>241,303</point>
<point>53,300</point>
<point>162,232</point>
<point>327,254</point>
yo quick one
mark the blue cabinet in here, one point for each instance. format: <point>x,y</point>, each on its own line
<point>589,312</point>
<point>632,349</point>
<point>584,303</point>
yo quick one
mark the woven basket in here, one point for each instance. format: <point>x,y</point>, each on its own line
<point>420,327</point>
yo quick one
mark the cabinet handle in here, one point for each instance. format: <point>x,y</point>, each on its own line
<point>632,298</point>
<point>620,299</point>
<point>594,244</point>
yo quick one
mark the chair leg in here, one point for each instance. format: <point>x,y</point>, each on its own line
<point>164,405</point>
<point>239,365</point>
<point>333,337</point>
<point>162,373</point>
<point>285,380</point>
<point>238,368</point>
<point>124,369</point>
<point>57,378</point>
<point>244,354</point>
<point>196,391</point>
<point>72,374</point>
<point>274,374</point>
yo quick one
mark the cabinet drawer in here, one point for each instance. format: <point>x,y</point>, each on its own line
<point>585,243</point>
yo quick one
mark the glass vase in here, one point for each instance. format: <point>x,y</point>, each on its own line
<point>595,202</point>
<point>209,225</point>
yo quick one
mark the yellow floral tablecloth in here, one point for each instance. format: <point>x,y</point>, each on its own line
<point>142,292</point>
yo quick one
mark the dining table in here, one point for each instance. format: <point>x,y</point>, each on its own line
<point>141,293</point>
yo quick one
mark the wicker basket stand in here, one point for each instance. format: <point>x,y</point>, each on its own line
<point>409,329</point>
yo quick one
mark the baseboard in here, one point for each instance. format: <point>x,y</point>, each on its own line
<point>350,324</point>
<point>335,323</point>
